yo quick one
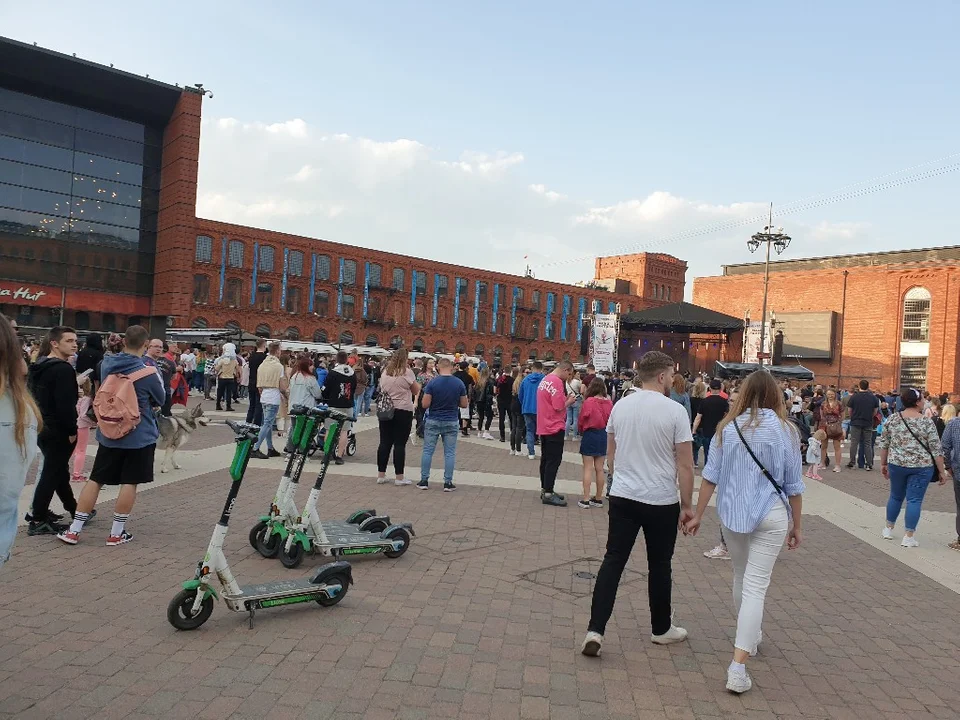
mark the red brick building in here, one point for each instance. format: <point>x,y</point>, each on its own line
<point>892,317</point>
<point>98,229</point>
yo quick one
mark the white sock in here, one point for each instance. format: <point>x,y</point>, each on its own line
<point>79,519</point>
<point>119,522</point>
<point>738,668</point>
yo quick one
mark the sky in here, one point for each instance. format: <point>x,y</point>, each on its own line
<point>501,134</point>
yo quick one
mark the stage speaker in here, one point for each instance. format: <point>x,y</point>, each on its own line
<point>585,337</point>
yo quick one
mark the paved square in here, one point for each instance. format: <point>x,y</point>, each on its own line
<point>482,618</point>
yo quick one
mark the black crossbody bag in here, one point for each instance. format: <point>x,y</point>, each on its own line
<point>763,469</point>
<point>933,460</point>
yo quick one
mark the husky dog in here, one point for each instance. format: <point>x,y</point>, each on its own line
<point>175,431</point>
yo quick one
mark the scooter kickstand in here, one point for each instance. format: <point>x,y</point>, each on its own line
<point>252,613</point>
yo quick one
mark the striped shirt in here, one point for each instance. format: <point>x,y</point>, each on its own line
<point>951,444</point>
<point>744,494</point>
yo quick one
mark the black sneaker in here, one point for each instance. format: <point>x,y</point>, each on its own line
<point>422,485</point>
<point>45,527</point>
<point>338,460</point>
<point>868,467</point>
<point>449,487</point>
<point>544,493</point>
<point>259,455</point>
<point>850,466</point>
<point>596,503</point>
<point>51,516</point>
<point>553,499</point>
<point>585,504</point>
<point>273,453</point>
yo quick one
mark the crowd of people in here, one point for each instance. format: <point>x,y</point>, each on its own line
<point>639,435</point>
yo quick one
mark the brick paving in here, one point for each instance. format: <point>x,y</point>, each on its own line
<point>481,618</point>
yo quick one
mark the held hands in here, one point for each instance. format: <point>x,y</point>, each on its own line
<point>689,522</point>
<point>944,477</point>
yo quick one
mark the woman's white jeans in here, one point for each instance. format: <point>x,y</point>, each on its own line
<point>754,555</point>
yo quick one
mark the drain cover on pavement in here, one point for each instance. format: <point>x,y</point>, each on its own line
<point>575,578</point>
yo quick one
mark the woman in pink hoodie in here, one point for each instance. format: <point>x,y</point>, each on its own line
<point>592,426</point>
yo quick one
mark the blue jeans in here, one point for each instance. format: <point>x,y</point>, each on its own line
<point>266,429</point>
<point>531,420</point>
<point>573,416</point>
<point>367,399</point>
<point>434,430</point>
<point>910,483</point>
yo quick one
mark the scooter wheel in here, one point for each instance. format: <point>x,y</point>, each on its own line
<point>344,583</point>
<point>255,532</point>
<point>398,534</point>
<point>268,545</point>
<point>180,608</point>
<point>377,526</point>
<point>292,557</point>
<point>352,447</point>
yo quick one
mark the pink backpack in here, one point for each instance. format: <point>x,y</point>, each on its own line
<point>116,406</point>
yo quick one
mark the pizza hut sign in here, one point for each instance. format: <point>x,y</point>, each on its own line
<point>21,295</point>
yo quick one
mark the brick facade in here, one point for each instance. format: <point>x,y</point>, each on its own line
<point>869,302</point>
<point>658,277</point>
<point>388,315</point>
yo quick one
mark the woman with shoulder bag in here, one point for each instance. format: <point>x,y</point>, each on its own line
<point>398,388</point>
<point>831,415</point>
<point>911,446</point>
<point>754,467</point>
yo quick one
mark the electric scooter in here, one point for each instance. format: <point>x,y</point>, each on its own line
<point>308,534</point>
<point>193,605</point>
<point>270,532</point>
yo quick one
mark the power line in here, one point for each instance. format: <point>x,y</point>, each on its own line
<point>809,202</point>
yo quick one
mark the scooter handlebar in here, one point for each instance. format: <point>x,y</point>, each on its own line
<point>243,428</point>
<point>325,411</point>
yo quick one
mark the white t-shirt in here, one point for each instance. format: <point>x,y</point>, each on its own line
<point>647,425</point>
<point>189,361</point>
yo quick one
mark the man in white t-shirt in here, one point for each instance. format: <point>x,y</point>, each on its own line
<point>650,456</point>
<point>189,361</point>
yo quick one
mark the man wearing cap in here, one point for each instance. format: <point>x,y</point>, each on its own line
<point>712,410</point>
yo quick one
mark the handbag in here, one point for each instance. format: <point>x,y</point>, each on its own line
<point>763,469</point>
<point>933,460</point>
<point>385,408</point>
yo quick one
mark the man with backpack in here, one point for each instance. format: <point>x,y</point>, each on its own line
<point>127,433</point>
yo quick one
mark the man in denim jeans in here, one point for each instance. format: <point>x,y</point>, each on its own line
<point>442,399</point>
<point>272,383</point>
<point>527,393</point>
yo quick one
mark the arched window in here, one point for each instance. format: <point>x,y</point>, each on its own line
<point>376,275</point>
<point>293,300</point>
<point>200,322</point>
<point>440,347</point>
<point>482,325</point>
<point>372,340</point>
<point>321,303</point>
<point>263,330</point>
<point>234,292</point>
<point>498,352</point>
<point>292,333</point>
<point>264,296</point>
<point>349,272</point>
<point>502,324</point>
<point>348,307</point>
<point>82,321</point>
<point>916,315</point>
<point>478,350</point>
<point>109,322</point>
<point>566,356</point>
<point>397,312</point>
<point>549,355</point>
<point>346,338</point>
<point>535,330</point>
<point>461,348</point>
<point>441,318</point>
<point>420,319</point>
<point>396,342</point>
<point>204,250</point>
<point>533,354</point>
<point>201,289</point>
<point>462,319</point>
<point>374,308</point>
<point>319,336</point>
<point>518,330</point>
<point>235,254</point>
<point>266,258</point>
<point>418,344</point>
<point>515,355</point>
<point>323,267</point>
<point>295,263</point>
<point>398,278</point>
<point>232,325</point>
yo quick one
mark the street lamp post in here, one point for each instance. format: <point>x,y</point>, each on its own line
<point>780,242</point>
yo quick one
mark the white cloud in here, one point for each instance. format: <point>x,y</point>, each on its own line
<point>471,210</point>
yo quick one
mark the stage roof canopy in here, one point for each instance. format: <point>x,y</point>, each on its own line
<point>681,317</point>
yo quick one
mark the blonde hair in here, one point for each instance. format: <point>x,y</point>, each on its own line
<point>398,362</point>
<point>13,381</point>
<point>949,412</point>
<point>699,389</point>
<point>758,391</point>
<point>820,435</point>
<point>517,379</point>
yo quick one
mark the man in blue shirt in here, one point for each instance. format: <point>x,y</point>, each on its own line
<point>442,399</point>
<point>527,394</point>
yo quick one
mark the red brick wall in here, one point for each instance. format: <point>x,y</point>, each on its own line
<point>867,341</point>
<point>217,315</point>
<point>643,271</point>
<point>178,210</point>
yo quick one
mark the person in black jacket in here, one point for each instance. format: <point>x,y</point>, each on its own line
<point>53,382</point>
<point>91,354</point>
<point>339,390</point>
<point>255,409</point>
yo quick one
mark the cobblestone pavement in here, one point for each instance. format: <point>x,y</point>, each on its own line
<point>481,618</point>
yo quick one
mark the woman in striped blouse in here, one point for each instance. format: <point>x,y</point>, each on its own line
<point>755,469</point>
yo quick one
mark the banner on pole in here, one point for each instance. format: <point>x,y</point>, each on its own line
<point>604,343</point>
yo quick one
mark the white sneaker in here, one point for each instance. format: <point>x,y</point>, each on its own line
<point>673,635</point>
<point>836,468</point>
<point>887,533</point>
<point>909,542</point>
<point>738,681</point>
<point>382,481</point>
<point>591,644</point>
<point>717,553</point>
<point>531,457</point>
<point>403,481</point>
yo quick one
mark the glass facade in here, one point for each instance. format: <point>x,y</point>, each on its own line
<point>79,190</point>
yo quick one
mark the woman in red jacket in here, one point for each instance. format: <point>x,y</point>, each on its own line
<point>592,426</point>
